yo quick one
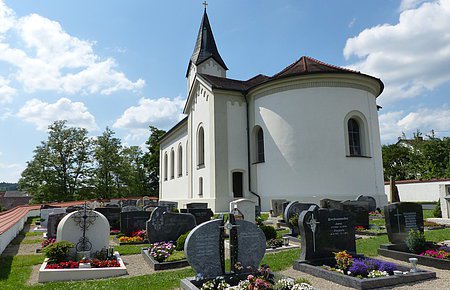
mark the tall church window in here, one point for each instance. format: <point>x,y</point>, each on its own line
<point>238,184</point>
<point>201,147</point>
<point>172,164</point>
<point>259,135</point>
<point>165,166</point>
<point>200,186</point>
<point>354,137</point>
<point>180,160</point>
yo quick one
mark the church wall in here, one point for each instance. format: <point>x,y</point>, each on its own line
<point>176,188</point>
<point>305,147</point>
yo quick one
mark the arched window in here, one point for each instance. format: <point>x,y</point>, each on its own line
<point>259,142</point>
<point>166,163</point>
<point>200,186</point>
<point>180,161</point>
<point>354,137</point>
<point>201,147</point>
<point>172,164</point>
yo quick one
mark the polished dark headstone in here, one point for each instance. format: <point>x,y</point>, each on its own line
<point>372,202</point>
<point>132,221</point>
<point>324,232</point>
<point>170,205</point>
<point>130,208</point>
<point>52,224</point>
<point>112,214</point>
<point>201,214</point>
<point>294,208</point>
<point>196,205</point>
<point>168,226</point>
<point>360,209</point>
<point>401,217</point>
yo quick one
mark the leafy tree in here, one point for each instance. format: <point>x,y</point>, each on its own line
<point>152,159</point>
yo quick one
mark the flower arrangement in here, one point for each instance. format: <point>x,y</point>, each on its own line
<point>362,267</point>
<point>47,242</point>
<point>140,233</point>
<point>130,240</point>
<point>442,252</point>
<point>114,232</point>
<point>161,251</point>
<point>360,228</point>
<point>95,263</point>
<point>215,284</point>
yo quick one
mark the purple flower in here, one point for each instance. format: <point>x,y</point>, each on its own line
<point>358,267</point>
<point>388,267</point>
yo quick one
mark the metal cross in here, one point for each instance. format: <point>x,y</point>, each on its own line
<point>312,223</point>
<point>205,4</point>
<point>398,220</point>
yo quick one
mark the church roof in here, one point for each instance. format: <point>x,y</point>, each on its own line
<point>205,47</point>
<point>304,66</point>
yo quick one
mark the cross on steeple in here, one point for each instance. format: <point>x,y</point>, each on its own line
<point>205,4</point>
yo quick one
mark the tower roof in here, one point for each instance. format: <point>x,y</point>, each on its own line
<point>205,47</point>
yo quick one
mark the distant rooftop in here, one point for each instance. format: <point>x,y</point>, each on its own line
<point>17,194</point>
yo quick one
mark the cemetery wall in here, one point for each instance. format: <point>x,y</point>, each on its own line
<point>415,190</point>
<point>305,142</point>
<point>19,216</point>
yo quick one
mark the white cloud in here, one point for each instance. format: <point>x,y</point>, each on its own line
<point>412,56</point>
<point>410,4</point>
<point>42,114</point>
<point>392,124</point>
<point>10,172</point>
<point>6,92</point>
<point>161,113</point>
<point>51,59</point>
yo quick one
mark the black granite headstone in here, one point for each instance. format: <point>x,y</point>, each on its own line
<point>196,205</point>
<point>401,217</point>
<point>360,209</point>
<point>324,232</point>
<point>294,209</point>
<point>133,221</point>
<point>372,202</point>
<point>170,205</point>
<point>168,226</point>
<point>201,214</point>
<point>112,214</point>
<point>52,224</point>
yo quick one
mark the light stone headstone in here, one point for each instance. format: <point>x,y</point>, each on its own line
<point>246,207</point>
<point>129,208</point>
<point>168,226</point>
<point>69,229</point>
<point>202,249</point>
<point>277,206</point>
<point>45,213</point>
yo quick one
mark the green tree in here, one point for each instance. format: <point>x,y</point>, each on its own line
<point>61,167</point>
<point>108,160</point>
<point>395,161</point>
<point>152,159</point>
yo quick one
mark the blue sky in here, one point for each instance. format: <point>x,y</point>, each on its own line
<point>122,63</point>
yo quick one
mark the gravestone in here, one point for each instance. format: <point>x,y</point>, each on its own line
<point>372,202</point>
<point>88,230</point>
<point>360,209</point>
<point>52,224</point>
<point>130,208</point>
<point>401,217</point>
<point>294,208</point>
<point>115,201</point>
<point>201,214</point>
<point>197,205</point>
<point>168,226</point>
<point>112,205</point>
<point>152,202</point>
<point>112,214</point>
<point>277,206</point>
<point>245,207</point>
<point>45,213</point>
<point>132,221</point>
<point>205,251</point>
<point>170,205</point>
<point>73,208</point>
<point>148,208</point>
<point>325,232</point>
<point>285,204</point>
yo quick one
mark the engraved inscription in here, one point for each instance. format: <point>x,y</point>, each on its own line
<point>410,221</point>
<point>338,226</point>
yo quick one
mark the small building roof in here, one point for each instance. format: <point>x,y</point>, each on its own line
<point>16,193</point>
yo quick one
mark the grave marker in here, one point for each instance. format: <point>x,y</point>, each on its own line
<point>168,226</point>
<point>112,214</point>
<point>294,208</point>
<point>132,221</point>
<point>401,217</point>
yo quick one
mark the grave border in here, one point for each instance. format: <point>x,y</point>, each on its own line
<point>157,266</point>
<point>367,283</point>
<point>396,251</point>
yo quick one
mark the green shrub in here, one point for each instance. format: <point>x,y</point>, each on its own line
<point>269,232</point>
<point>437,210</point>
<point>180,241</point>
<point>57,252</point>
<point>259,221</point>
<point>293,221</point>
<point>416,241</point>
<point>275,243</point>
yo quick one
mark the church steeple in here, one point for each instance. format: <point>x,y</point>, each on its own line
<point>205,46</point>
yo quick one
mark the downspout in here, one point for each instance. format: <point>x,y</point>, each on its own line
<point>248,154</point>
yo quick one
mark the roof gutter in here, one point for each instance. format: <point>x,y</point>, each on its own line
<point>248,154</point>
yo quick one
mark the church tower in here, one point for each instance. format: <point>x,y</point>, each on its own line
<point>206,58</point>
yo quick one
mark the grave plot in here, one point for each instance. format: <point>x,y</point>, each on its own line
<point>329,252</point>
<point>132,227</point>
<point>205,252</point>
<point>167,232</point>
<point>404,223</point>
<point>81,250</point>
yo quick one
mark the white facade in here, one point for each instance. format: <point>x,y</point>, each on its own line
<point>421,190</point>
<point>300,117</point>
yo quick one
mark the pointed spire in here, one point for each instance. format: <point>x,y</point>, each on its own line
<point>205,47</point>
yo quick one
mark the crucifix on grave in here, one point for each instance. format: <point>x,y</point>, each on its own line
<point>84,219</point>
<point>312,223</point>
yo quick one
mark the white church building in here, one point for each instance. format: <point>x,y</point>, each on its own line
<point>308,132</point>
